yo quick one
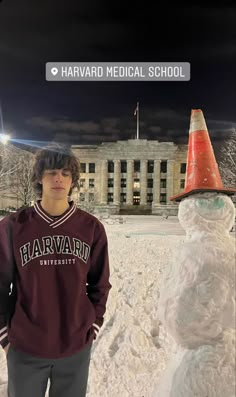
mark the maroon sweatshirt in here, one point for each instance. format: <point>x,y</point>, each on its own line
<point>59,271</point>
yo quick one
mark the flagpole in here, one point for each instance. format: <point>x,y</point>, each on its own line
<point>137,120</point>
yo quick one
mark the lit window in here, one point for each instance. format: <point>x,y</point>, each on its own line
<point>136,183</point>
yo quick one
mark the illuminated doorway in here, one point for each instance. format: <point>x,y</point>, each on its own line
<point>136,198</point>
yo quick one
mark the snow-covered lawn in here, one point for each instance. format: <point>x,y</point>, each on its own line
<point>131,352</point>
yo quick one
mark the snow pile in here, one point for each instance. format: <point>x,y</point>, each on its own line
<point>130,349</point>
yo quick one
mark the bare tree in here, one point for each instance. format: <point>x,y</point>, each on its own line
<point>227,164</point>
<point>88,199</point>
<point>22,185</point>
<point>9,158</point>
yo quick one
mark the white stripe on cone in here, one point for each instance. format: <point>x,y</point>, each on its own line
<point>197,122</point>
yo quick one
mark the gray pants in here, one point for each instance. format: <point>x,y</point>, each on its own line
<point>28,376</point>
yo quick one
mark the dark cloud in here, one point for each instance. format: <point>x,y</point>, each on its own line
<point>161,124</point>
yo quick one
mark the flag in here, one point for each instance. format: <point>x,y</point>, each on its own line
<point>136,110</point>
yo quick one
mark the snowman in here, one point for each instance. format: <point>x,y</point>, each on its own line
<point>197,298</point>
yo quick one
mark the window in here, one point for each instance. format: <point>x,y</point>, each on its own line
<point>136,183</point>
<point>182,168</point>
<point>123,197</point>
<point>150,169</point>
<point>136,165</point>
<point>182,183</point>
<point>91,168</point>
<point>123,182</point>
<point>82,183</point>
<point>82,167</point>
<point>164,166</point>
<point>91,182</point>
<point>110,166</point>
<point>163,198</point>
<point>81,196</point>
<point>91,197</point>
<point>163,183</point>
<point>110,197</point>
<point>110,182</point>
<point>149,197</point>
<point>150,183</point>
<point>123,166</point>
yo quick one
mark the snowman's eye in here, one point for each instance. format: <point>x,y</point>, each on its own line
<point>215,204</point>
<point>219,203</point>
<point>201,203</point>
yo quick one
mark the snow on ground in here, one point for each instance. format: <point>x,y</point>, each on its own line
<point>132,350</point>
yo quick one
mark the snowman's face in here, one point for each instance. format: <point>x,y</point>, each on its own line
<point>200,209</point>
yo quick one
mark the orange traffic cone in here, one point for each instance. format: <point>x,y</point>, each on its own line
<point>202,174</point>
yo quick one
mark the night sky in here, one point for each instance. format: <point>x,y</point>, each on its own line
<point>35,32</point>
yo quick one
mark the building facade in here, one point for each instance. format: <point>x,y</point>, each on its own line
<point>136,175</point>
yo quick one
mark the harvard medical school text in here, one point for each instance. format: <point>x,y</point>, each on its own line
<point>119,72</point>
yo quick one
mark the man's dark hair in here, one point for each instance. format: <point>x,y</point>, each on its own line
<point>55,156</point>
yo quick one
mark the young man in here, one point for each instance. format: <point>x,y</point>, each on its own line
<point>55,256</point>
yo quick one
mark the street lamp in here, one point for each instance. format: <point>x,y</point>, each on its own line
<point>4,138</point>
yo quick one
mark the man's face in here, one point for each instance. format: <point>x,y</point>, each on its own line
<point>56,183</point>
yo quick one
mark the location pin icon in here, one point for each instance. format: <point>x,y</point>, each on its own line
<point>54,71</point>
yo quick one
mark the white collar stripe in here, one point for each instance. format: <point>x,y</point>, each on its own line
<point>43,213</point>
<point>3,329</point>
<point>64,218</point>
<point>3,336</point>
<point>42,216</point>
<point>54,223</point>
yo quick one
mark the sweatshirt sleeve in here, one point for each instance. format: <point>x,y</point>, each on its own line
<point>98,284</point>
<point>7,269</point>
